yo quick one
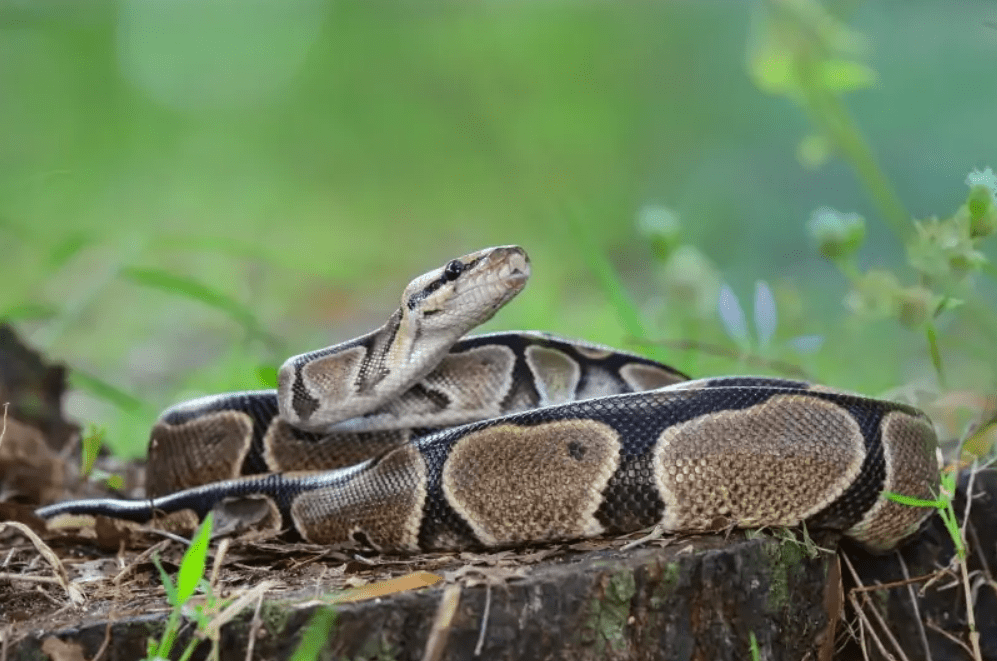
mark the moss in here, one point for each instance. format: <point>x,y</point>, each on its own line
<point>785,558</point>
<point>607,620</point>
<point>274,616</point>
<point>377,649</point>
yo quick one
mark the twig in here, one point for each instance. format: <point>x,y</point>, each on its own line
<point>484,620</point>
<point>74,594</point>
<point>107,640</point>
<point>440,631</point>
<point>140,558</point>
<point>169,535</point>
<point>867,625</point>
<point>974,634</point>
<point>897,584</point>
<point>254,629</point>
<point>51,580</point>
<point>656,533</point>
<point>3,430</point>
<point>917,609</point>
<point>955,639</point>
<point>725,352</point>
<point>217,565</point>
<point>875,612</point>
<point>213,629</point>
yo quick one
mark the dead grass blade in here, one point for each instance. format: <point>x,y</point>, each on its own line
<point>74,594</point>
<point>440,631</point>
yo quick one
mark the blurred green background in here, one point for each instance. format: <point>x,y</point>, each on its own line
<point>191,191</point>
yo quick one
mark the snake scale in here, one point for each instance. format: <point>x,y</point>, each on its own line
<point>411,438</point>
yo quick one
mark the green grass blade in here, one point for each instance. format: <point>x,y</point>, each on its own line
<point>267,376</point>
<point>190,288</point>
<point>627,312</point>
<point>168,586</point>
<point>936,354</point>
<point>28,312</point>
<point>104,390</point>
<point>194,561</point>
<point>316,634</point>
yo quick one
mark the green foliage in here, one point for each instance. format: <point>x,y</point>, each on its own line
<point>91,444</point>
<point>944,506</point>
<point>162,247</point>
<point>756,653</point>
<point>316,634</point>
<point>189,578</point>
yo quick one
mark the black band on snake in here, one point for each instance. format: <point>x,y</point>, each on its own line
<point>411,438</point>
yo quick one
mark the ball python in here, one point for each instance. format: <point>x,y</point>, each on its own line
<point>410,438</point>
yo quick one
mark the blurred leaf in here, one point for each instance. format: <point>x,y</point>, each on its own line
<point>609,280</point>
<point>28,312</point>
<point>806,344</point>
<point>189,288</point>
<point>936,354</point>
<point>64,250</point>
<point>847,75</point>
<point>766,316</point>
<point>732,315</point>
<point>99,388</point>
<point>92,442</point>
<point>267,375</point>
<point>771,68</point>
<point>316,634</point>
<point>813,151</point>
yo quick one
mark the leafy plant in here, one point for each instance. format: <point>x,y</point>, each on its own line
<point>189,578</point>
<point>316,634</point>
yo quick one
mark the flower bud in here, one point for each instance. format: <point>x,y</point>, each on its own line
<point>838,235</point>
<point>915,305</point>
<point>982,211</point>
<point>660,226</point>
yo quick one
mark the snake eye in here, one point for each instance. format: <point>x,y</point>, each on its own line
<point>452,270</point>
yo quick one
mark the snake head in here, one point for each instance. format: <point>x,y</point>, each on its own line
<point>464,292</point>
<point>319,389</point>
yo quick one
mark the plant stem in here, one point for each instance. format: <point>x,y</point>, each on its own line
<point>828,112</point>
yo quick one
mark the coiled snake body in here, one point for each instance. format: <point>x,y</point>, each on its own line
<point>410,438</point>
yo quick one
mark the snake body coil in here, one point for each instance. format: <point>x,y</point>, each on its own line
<point>554,440</point>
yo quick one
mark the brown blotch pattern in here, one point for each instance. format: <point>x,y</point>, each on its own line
<point>593,352</point>
<point>287,449</point>
<point>515,484</point>
<point>332,380</point>
<point>381,506</point>
<point>209,448</point>
<point>471,383</point>
<point>909,444</point>
<point>555,374</point>
<point>771,464</point>
<point>647,377</point>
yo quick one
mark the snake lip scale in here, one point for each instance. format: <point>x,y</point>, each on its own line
<point>414,437</point>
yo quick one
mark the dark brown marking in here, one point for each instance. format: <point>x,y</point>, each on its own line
<point>329,380</point>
